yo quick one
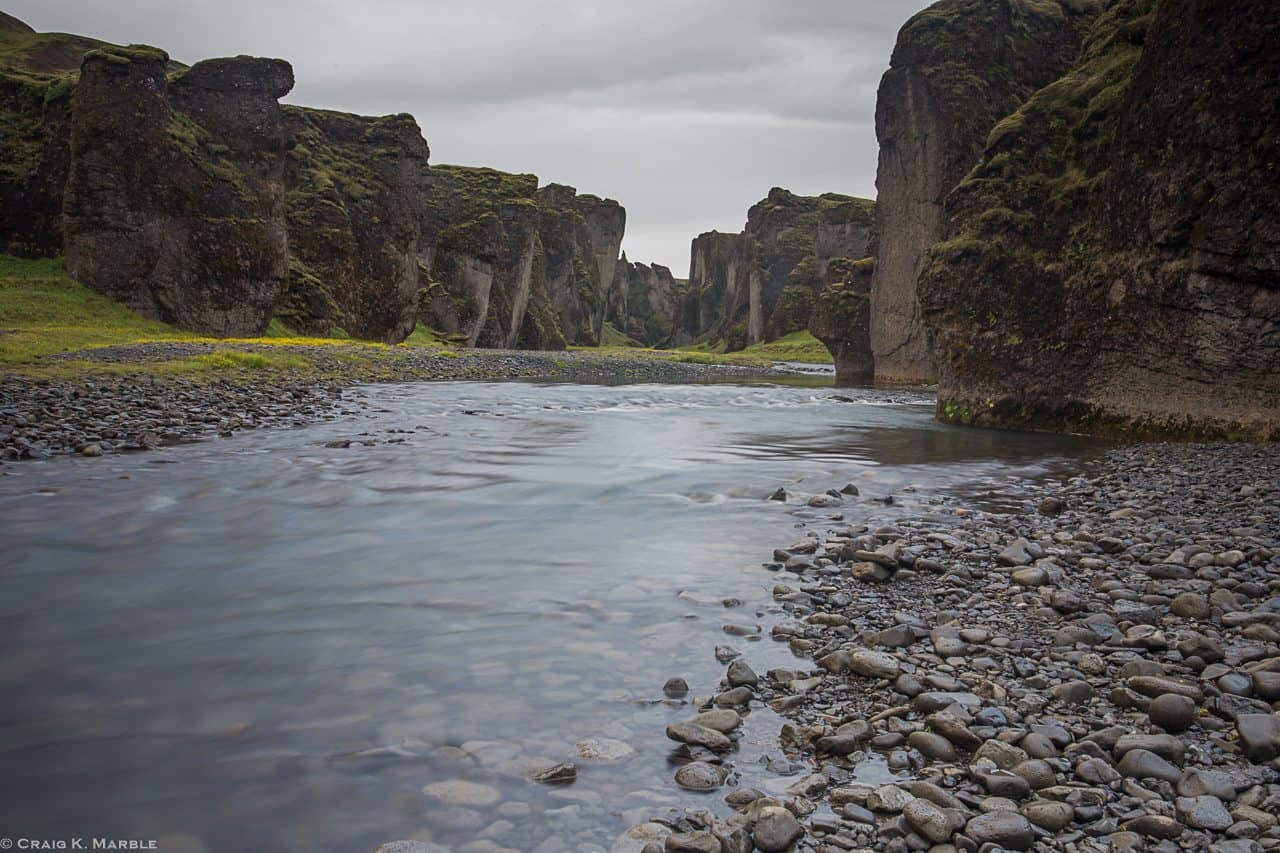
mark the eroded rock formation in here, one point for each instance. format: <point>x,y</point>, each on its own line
<point>174,200</point>
<point>1113,261</point>
<point>581,238</point>
<point>644,302</point>
<point>356,187</point>
<point>762,284</point>
<point>958,68</point>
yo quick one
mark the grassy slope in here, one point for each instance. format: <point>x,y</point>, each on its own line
<point>43,312</point>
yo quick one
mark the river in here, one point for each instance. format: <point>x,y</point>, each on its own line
<point>265,642</point>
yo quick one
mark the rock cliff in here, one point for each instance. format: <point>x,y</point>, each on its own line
<point>958,67</point>
<point>581,238</point>
<point>37,74</point>
<point>1113,261</point>
<point>174,199</point>
<point>762,284</point>
<point>483,226</point>
<point>644,302</point>
<point>355,187</point>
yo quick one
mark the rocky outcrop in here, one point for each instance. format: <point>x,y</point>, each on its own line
<point>483,226</point>
<point>356,186</point>
<point>1113,261</point>
<point>37,74</point>
<point>840,318</point>
<point>958,68</point>
<point>174,200</point>
<point>578,234</point>
<point>762,284</point>
<point>512,265</point>
<point>644,302</point>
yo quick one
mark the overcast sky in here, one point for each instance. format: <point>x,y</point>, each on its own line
<point>685,111</point>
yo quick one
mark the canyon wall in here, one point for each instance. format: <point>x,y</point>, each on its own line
<point>763,283</point>
<point>174,199</point>
<point>1112,263</point>
<point>192,196</point>
<point>644,303</point>
<point>958,67</point>
<point>356,186</point>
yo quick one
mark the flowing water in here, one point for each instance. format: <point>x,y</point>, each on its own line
<point>266,643</point>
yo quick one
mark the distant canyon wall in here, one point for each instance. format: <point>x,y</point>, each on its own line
<point>763,283</point>
<point>193,196</point>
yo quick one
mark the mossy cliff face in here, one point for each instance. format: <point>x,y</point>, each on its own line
<point>355,189</point>
<point>174,195</point>
<point>1113,262</point>
<point>762,284</point>
<point>37,74</point>
<point>841,318</point>
<point>483,226</point>
<point>958,68</point>
<point>578,234</point>
<point>646,299</point>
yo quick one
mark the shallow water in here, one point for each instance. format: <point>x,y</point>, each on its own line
<point>265,643</point>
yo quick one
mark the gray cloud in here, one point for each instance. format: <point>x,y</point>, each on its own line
<point>686,111</point>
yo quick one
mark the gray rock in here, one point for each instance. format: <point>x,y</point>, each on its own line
<point>1204,812</point>
<point>928,820</point>
<point>1172,712</point>
<point>697,735</point>
<point>1259,736</point>
<point>742,675</point>
<point>776,829</point>
<point>1049,815</point>
<point>697,841</point>
<point>1197,783</point>
<point>1007,829</point>
<point>874,664</point>
<point>1143,764</point>
<point>700,776</point>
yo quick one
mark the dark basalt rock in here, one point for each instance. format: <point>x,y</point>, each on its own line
<point>174,200</point>
<point>958,67</point>
<point>1113,262</point>
<point>581,237</point>
<point>355,194</point>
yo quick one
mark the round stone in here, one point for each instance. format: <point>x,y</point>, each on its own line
<point>776,830</point>
<point>928,820</point>
<point>1172,712</point>
<point>604,750</point>
<point>700,776</point>
<point>1006,829</point>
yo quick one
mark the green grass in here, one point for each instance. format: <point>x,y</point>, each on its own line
<point>44,311</point>
<point>797,346</point>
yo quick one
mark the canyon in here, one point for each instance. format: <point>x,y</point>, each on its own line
<point>1047,244</point>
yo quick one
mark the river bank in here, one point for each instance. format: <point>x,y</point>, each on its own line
<point>140,396</point>
<point>1098,669</point>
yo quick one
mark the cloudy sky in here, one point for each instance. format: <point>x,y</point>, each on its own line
<point>686,111</point>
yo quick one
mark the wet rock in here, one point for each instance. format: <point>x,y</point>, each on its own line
<point>928,819</point>
<point>696,841</point>
<point>741,675</point>
<point>700,776</point>
<point>676,687</point>
<point>603,750</point>
<point>558,774</point>
<point>776,829</point>
<point>460,792</point>
<point>1006,829</point>
<point>692,733</point>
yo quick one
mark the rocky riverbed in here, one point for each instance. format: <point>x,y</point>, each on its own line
<point>1097,671</point>
<point>98,413</point>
